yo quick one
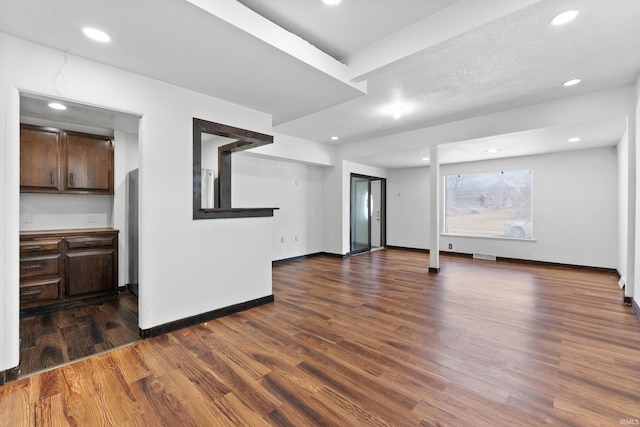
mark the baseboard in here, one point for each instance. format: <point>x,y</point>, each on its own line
<point>558,264</point>
<point>292,259</point>
<point>133,288</point>
<point>204,317</point>
<point>408,249</point>
<point>636,307</point>
<point>9,375</point>
<point>519,260</point>
<point>343,256</point>
<point>66,305</point>
<point>301,257</point>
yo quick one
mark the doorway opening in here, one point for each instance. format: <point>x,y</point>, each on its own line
<point>368,213</point>
<point>70,311</point>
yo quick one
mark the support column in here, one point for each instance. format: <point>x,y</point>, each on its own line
<point>434,210</point>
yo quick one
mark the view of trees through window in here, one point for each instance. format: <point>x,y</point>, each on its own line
<point>495,204</point>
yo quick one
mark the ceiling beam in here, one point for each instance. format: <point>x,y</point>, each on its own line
<point>459,18</point>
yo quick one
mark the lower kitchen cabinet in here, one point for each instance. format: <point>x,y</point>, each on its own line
<point>64,267</point>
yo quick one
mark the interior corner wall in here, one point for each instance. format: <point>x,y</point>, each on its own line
<point>336,203</point>
<point>574,209</point>
<point>333,210</point>
<point>125,159</point>
<point>186,267</point>
<point>295,189</point>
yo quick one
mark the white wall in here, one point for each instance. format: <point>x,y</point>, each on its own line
<point>295,189</point>
<point>408,208</point>
<point>186,267</point>
<point>54,211</point>
<point>623,204</point>
<point>574,209</point>
<point>9,223</point>
<point>125,147</point>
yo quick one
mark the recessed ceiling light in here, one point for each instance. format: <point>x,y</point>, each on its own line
<point>576,139</point>
<point>565,17</point>
<point>331,2</point>
<point>57,106</point>
<point>97,35</point>
<point>492,150</point>
<point>426,159</point>
<point>397,111</point>
<point>571,82</point>
<point>335,138</point>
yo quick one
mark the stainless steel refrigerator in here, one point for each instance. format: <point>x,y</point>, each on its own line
<point>132,231</point>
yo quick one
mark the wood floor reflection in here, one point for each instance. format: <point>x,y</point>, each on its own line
<point>53,339</point>
<point>371,340</point>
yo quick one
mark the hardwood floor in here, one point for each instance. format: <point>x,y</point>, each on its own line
<point>53,339</point>
<point>371,340</point>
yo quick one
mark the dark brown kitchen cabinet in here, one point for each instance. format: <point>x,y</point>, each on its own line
<point>40,160</point>
<point>91,264</point>
<point>59,268</point>
<point>89,163</point>
<point>59,161</point>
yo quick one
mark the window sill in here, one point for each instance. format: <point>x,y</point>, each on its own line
<point>233,213</point>
<point>469,236</point>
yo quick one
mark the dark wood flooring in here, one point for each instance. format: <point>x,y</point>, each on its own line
<point>53,339</point>
<point>371,340</point>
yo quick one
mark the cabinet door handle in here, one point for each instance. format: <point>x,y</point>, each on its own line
<point>71,179</point>
<point>31,248</point>
<point>91,243</point>
<point>33,267</point>
<point>51,181</point>
<point>33,292</point>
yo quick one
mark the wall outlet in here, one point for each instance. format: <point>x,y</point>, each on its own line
<point>27,218</point>
<point>92,218</point>
<point>450,245</point>
<point>281,239</point>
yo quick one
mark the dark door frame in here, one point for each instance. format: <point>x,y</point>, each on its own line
<point>383,207</point>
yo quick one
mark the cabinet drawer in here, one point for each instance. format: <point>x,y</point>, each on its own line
<point>39,245</point>
<point>90,242</point>
<point>40,266</point>
<point>41,290</point>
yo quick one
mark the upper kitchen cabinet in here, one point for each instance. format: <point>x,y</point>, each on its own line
<point>89,163</point>
<point>58,161</point>
<point>40,160</point>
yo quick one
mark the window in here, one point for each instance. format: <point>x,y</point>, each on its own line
<point>212,184</point>
<point>494,204</point>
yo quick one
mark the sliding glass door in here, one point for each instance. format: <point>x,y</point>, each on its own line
<point>360,214</point>
<point>367,213</point>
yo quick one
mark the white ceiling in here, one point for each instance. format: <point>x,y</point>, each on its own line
<point>323,71</point>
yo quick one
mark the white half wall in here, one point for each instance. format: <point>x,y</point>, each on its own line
<point>574,209</point>
<point>186,267</point>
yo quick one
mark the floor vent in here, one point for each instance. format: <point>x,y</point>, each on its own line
<point>484,256</point>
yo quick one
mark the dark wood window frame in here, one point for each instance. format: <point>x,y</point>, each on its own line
<point>244,140</point>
